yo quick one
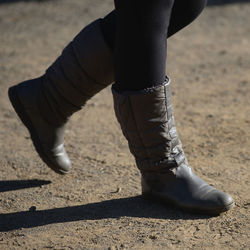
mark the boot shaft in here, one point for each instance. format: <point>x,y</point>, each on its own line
<point>84,68</point>
<point>147,121</point>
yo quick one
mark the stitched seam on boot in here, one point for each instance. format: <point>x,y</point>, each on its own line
<point>167,115</point>
<point>171,117</point>
<point>169,128</point>
<point>133,115</point>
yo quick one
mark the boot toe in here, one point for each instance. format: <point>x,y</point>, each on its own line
<point>58,160</point>
<point>62,165</point>
<point>222,201</point>
<point>214,202</point>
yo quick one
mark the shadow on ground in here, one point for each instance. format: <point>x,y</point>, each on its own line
<point>210,2</point>
<point>116,208</point>
<point>6,186</point>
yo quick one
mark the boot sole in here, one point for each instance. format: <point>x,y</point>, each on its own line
<point>24,117</point>
<point>215,212</point>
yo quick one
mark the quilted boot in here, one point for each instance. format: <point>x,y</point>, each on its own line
<point>45,104</point>
<point>147,122</point>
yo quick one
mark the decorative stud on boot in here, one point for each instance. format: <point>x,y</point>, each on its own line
<point>45,104</point>
<point>147,121</point>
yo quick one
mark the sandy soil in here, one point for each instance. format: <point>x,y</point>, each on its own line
<point>98,205</point>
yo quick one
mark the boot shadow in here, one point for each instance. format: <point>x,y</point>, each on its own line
<point>12,185</point>
<point>135,207</point>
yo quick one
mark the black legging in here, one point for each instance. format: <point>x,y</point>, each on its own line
<point>137,30</point>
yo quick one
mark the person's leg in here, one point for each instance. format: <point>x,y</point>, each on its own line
<point>142,102</point>
<point>183,13</point>
<point>140,48</point>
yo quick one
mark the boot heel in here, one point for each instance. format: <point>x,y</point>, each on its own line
<point>17,105</point>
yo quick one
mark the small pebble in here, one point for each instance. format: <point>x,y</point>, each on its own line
<point>118,190</point>
<point>32,209</point>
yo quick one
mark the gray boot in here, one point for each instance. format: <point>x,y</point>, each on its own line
<point>147,122</point>
<point>44,104</point>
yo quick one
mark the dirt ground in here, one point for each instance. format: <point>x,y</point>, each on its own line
<point>98,205</point>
